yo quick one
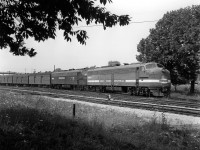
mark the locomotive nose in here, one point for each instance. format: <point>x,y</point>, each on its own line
<point>163,75</point>
<point>165,71</point>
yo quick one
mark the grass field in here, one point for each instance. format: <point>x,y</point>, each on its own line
<point>28,122</point>
<point>183,91</point>
<point>185,88</point>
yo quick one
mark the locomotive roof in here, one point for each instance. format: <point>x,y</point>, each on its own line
<point>118,67</point>
<point>30,74</point>
<point>66,71</point>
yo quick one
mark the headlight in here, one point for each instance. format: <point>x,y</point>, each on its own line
<point>163,81</point>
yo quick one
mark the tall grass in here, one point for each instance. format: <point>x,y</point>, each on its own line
<point>35,123</point>
<point>24,128</point>
<point>185,88</point>
<point>183,91</point>
<point>30,126</point>
<point>158,135</point>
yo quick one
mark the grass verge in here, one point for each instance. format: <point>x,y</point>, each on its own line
<point>34,123</point>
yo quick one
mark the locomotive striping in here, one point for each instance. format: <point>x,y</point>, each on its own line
<point>149,81</point>
<point>93,81</point>
<point>131,81</point>
<point>145,80</point>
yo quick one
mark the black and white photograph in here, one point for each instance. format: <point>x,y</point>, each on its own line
<point>99,75</point>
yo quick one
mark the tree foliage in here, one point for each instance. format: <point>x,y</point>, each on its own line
<point>39,19</point>
<point>174,42</point>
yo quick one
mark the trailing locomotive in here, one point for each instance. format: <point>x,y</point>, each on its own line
<point>136,79</point>
<point>71,79</point>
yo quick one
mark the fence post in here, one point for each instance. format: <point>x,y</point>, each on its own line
<point>74,110</point>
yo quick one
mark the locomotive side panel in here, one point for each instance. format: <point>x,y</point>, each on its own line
<point>99,78</point>
<point>150,83</point>
<point>64,78</point>
<point>114,76</point>
<point>72,80</point>
<point>158,77</point>
<point>125,77</point>
<point>57,79</point>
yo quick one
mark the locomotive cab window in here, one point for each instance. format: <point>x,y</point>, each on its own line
<point>160,66</point>
<point>151,66</point>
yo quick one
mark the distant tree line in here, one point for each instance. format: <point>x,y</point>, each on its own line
<point>175,43</point>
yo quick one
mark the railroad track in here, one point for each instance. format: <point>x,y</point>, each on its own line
<point>162,105</point>
<point>190,103</point>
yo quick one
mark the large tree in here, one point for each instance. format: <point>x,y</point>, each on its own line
<point>39,19</point>
<point>174,42</point>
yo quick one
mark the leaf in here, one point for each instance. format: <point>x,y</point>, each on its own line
<point>40,19</point>
<point>174,44</point>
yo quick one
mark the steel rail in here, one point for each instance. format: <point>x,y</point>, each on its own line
<point>122,103</point>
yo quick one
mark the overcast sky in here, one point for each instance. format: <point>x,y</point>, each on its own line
<point>117,43</point>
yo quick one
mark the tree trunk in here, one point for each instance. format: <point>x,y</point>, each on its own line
<point>175,88</point>
<point>192,86</point>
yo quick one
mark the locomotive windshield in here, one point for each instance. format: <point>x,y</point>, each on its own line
<point>153,65</point>
<point>160,66</point>
<point>150,66</point>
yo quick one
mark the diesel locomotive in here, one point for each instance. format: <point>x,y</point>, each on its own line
<point>136,79</point>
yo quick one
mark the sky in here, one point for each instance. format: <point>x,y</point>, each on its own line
<point>118,43</point>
